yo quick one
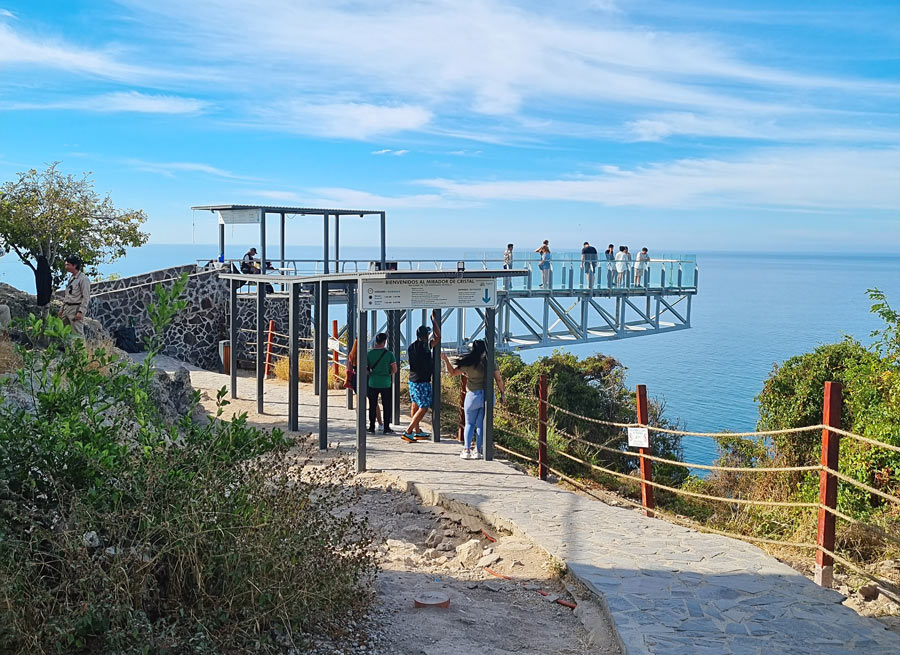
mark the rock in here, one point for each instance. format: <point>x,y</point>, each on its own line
<point>868,592</point>
<point>412,532</point>
<point>5,317</point>
<point>487,560</point>
<point>441,560</point>
<point>396,544</point>
<point>487,551</point>
<point>173,395</point>
<point>431,553</point>
<point>531,587</point>
<point>551,598</point>
<point>405,507</point>
<point>469,553</point>
<point>433,539</point>
<point>445,546</point>
<point>20,303</point>
<point>90,539</point>
<point>449,533</point>
<point>492,586</point>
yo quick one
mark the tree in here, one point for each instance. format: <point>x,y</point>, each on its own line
<point>56,215</point>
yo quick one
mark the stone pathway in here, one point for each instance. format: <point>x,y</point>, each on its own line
<point>669,590</point>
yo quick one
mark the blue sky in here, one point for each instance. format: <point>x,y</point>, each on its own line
<point>682,125</point>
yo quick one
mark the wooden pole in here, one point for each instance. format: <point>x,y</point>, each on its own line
<point>460,434</point>
<point>831,416</point>
<point>643,417</point>
<point>334,334</point>
<point>542,426</point>
<point>269,346</point>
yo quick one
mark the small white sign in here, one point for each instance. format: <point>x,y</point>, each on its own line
<point>638,437</point>
<point>238,216</point>
<point>426,294</point>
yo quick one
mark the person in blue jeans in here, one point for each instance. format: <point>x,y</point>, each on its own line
<point>473,365</point>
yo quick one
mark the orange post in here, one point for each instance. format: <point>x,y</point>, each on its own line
<point>462,413</point>
<point>542,426</point>
<point>831,416</point>
<point>334,333</point>
<point>643,417</point>
<point>269,347</point>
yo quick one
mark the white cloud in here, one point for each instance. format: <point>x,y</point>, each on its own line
<point>6,13</point>
<point>803,179</point>
<point>357,199</point>
<point>170,169</point>
<point>348,120</point>
<point>122,101</point>
<point>389,151</point>
<point>276,195</point>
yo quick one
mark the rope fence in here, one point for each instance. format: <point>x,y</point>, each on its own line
<point>830,476</point>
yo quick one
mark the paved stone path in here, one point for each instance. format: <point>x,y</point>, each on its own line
<point>669,590</point>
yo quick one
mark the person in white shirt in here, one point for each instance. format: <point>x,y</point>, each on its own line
<point>641,265</point>
<point>621,266</point>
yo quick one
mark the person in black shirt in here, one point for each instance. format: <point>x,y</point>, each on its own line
<point>421,369</point>
<point>589,263</point>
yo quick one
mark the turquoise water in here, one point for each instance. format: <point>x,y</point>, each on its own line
<point>753,310</point>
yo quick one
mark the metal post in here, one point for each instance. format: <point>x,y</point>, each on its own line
<point>351,333</point>
<point>374,329</point>
<point>542,426</point>
<point>335,358</point>
<point>362,387</point>
<point>831,416</point>
<point>262,242</point>
<point>436,383</point>
<point>222,242</point>
<point>232,336</point>
<point>293,358</point>
<point>282,241</point>
<point>337,243</point>
<point>323,365</point>
<point>490,335</point>
<point>383,246</point>
<point>394,338</point>
<point>327,245</point>
<point>643,417</point>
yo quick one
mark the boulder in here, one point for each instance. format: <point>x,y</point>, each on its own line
<point>5,317</point>
<point>469,553</point>
<point>868,592</point>
<point>19,302</point>
<point>174,395</point>
<point>433,539</point>
<point>488,560</point>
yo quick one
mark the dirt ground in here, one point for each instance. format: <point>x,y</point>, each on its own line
<point>514,609</point>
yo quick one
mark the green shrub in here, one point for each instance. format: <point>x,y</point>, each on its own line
<point>122,534</point>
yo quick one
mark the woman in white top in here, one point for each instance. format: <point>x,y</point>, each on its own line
<point>642,264</point>
<point>621,266</point>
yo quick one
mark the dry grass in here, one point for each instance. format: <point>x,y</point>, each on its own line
<point>305,366</point>
<point>9,358</point>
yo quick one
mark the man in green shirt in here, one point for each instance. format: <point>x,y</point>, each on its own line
<point>382,366</point>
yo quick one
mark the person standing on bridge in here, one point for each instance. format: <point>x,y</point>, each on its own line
<point>507,263</point>
<point>545,264</point>
<point>473,365</point>
<point>421,369</point>
<point>589,263</point>
<point>622,266</point>
<point>610,255</point>
<point>641,265</point>
<point>382,366</point>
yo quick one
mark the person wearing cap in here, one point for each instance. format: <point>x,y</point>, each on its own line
<point>77,296</point>
<point>421,369</point>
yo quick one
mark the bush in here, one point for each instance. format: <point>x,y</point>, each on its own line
<point>306,368</point>
<point>122,534</point>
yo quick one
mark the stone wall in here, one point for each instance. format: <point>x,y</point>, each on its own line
<point>195,333</point>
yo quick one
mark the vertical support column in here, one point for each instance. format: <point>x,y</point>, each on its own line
<point>831,416</point>
<point>323,365</point>
<point>436,382</point>
<point>337,243</point>
<point>263,259</point>
<point>383,243</point>
<point>221,240</point>
<point>351,332</point>
<point>261,317</point>
<point>281,253</point>
<point>394,338</point>
<point>490,335</point>
<point>542,426</point>
<point>294,357</point>
<point>461,418</point>
<point>362,388</point>
<point>643,417</point>
<point>233,335</point>
<point>326,244</point>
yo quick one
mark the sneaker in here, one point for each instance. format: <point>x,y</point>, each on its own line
<point>465,454</point>
<point>381,427</point>
<point>421,434</point>
<point>422,437</point>
<point>388,431</point>
<point>370,430</point>
<point>408,437</point>
<point>476,455</point>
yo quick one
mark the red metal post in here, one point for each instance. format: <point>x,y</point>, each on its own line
<point>460,434</point>
<point>643,417</point>
<point>334,366</point>
<point>269,346</point>
<point>831,416</point>
<point>542,426</point>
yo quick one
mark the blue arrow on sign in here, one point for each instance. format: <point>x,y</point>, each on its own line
<point>487,296</point>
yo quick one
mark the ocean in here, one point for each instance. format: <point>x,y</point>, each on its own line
<point>753,310</point>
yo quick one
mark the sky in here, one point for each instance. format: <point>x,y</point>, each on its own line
<point>685,126</point>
